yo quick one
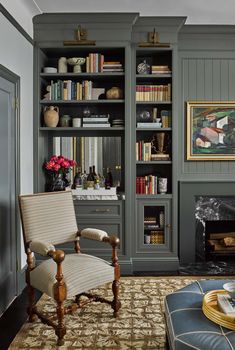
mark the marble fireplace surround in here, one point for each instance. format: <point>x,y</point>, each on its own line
<point>189,192</point>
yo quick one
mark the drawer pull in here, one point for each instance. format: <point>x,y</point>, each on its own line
<point>102,210</point>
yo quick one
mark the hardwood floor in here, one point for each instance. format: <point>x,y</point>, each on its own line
<point>12,320</point>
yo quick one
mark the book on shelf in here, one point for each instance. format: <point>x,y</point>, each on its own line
<point>95,119</point>
<point>68,90</point>
<point>146,184</point>
<point>96,125</point>
<point>150,220</point>
<point>226,304</point>
<point>149,125</point>
<point>160,69</point>
<point>148,226</point>
<point>160,156</point>
<point>152,93</point>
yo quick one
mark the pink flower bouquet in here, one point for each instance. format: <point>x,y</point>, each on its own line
<point>56,169</point>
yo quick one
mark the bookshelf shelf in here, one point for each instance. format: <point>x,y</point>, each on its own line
<point>153,129</point>
<point>154,196</point>
<point>72,102</point>
<point>58,129</point>
<point>153,102</point>
<point>151,162</point>
<point>82,75</point>
<point>152,76</point>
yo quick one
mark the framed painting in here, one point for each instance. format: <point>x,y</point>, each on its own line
<point>210,130</point>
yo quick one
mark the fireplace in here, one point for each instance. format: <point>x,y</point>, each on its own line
<point>214,227</point>
<point>207,227</point>
<point>220,240</point>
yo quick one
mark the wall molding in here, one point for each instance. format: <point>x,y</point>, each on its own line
<point>12,20</point>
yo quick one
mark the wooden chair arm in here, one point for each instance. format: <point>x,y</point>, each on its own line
<point>113,241</point>
<point>57,255</point>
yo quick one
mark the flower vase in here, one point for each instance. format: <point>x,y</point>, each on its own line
<point>56,182</point>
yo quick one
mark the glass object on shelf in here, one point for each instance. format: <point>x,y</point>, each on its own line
<point>65,120</point>
<point>143,68</point>
<point>144,116</point>
<point>108,179</point>
<point>162,185</point>
<point>90,179</point>
<point>77,181</point>
<point>86,112</point>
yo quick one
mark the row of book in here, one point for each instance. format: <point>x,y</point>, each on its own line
<point>146,184</point>
<point>95,63</point>
<point>71,90</point>
<point>153,92</point>
<point>144,152</point>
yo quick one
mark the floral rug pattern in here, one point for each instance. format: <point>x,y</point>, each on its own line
<point>140,325</point>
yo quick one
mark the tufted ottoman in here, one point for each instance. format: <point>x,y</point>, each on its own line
<point>187,327</point>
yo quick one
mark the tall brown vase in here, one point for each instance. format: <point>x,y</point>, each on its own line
<point>51,116</point>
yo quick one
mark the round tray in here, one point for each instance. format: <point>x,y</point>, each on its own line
<point>211,310</point>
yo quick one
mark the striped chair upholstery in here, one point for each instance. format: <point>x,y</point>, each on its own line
<point>81,273</point>
<point>49,219</point>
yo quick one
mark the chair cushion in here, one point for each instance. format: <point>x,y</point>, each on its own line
<point>81,273</point>
<point>188,327</point>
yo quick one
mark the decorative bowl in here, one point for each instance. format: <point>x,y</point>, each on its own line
<point>49,70</point>
<point>76,62</point>
<point>230,289</point>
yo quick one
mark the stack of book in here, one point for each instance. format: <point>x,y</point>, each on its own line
<point>112,66</point>
<point>96,121</point>
<point>160,70</point>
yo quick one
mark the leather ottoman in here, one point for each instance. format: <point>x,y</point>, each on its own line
<point>186,325</point>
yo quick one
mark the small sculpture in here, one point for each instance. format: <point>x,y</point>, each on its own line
<point>114,93</point>
<point>76,62</point>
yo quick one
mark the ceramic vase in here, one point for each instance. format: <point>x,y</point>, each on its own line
<point>51,116</point>
<point>62,65</point>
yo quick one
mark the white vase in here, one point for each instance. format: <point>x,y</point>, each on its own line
<point>62,65</point>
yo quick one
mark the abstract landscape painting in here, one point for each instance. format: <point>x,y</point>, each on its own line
<point>210,130</point>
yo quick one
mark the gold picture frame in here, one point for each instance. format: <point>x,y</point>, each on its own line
<point>210,131</point>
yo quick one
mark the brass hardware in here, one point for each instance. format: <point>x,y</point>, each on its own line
<point>15,103</point>
<point>81,38</point>
<point>153,41</point>
<point>102,210</point>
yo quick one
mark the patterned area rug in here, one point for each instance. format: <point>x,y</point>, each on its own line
<point>140,325</point>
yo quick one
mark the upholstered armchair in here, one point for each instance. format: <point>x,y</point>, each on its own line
<point>49,219</point>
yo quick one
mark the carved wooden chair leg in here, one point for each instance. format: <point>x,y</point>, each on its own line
<point>77,299</point>
<point>60,330</point>
<point>31,303</point>
<point>116,304</point>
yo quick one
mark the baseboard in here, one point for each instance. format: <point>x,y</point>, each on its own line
<point>159,264</point>
<point>126,267</point>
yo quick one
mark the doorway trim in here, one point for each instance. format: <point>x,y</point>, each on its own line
<point>15,79</point>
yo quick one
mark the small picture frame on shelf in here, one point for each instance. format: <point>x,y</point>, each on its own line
<point>210,130</point>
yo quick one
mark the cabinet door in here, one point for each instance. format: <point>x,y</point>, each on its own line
<point>154,226</point>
